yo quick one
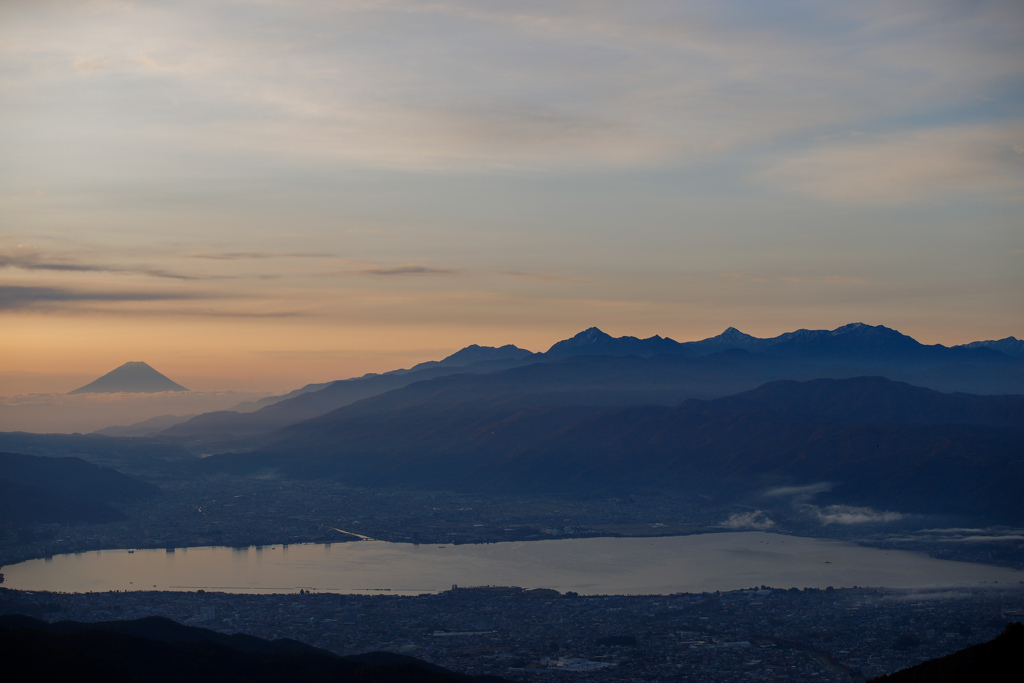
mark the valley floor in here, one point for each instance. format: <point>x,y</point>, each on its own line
<point>757,634</point>
<point>240,511</point>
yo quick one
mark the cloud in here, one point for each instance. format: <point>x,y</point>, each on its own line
<point>849,514</point>
<point>799,493</point>
<point>749,520</point>
<point>408,270</point>
<point>545,277</point>
<point>88,412</point>
<point>830,279</point>
<point>221,313</point>
<point>255,255</point>
<point>52,299</point>
<point>908,166</point>
<point>971,535</point>
<point>503,85</point>
<point>831,514</point>
<point>13,297</point>
<point>34,261</point>
<point>838,279</point>
<point>87,64</point>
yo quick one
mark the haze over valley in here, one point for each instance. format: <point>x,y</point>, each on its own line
<point>787,433</point>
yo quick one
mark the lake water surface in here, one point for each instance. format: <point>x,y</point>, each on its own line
<point>671,564</point>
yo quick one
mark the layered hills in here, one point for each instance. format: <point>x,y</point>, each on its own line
<point>319,399</point>
<point>595,368</point>
<point>862,415</point>
<point>784,434</point>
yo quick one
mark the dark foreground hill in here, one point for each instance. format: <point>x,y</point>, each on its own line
<point>997,661</point>
<point>871,441</point>
<point>40,489</point>
<point>158,650</point>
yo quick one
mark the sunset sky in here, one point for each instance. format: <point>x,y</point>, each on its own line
<point>253,195</point>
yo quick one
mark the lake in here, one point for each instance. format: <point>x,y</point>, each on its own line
<point>589,566</point>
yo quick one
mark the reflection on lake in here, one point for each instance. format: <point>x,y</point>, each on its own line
<point>708,562</point>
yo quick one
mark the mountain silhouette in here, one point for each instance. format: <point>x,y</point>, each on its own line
<point>134,377</point>
<point>594,368</point>
<point>320,399</point>
<point>594,342</point>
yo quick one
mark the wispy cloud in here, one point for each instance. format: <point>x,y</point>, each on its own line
<point>840,280</point>
<point>545,277</point>
<point>13,297</point>
<point>256,255</point>
<point>900,167</point>
<point>970,535</point>
<point>223,313</point>
<point>799,497</point>
<point>830,279</point>
<point>499,85</point>
<point>408,270</point>
<point>850,514</point>
<point>19,298</point>
<point>23,260</point>
<point>799,493</point>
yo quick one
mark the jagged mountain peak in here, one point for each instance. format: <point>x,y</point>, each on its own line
<point>732,333</point>
<point>589,335</point>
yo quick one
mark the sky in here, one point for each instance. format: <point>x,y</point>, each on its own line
<point>254,195</point>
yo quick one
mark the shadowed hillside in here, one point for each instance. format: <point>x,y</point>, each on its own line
<point>838,432</point>
<point>155,650</point>
<point>41,489</point>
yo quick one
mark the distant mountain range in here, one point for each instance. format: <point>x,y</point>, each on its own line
<point>132,377</point>
<point>854,341</point>
<point>863,415</point>
<point>597,369</point>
